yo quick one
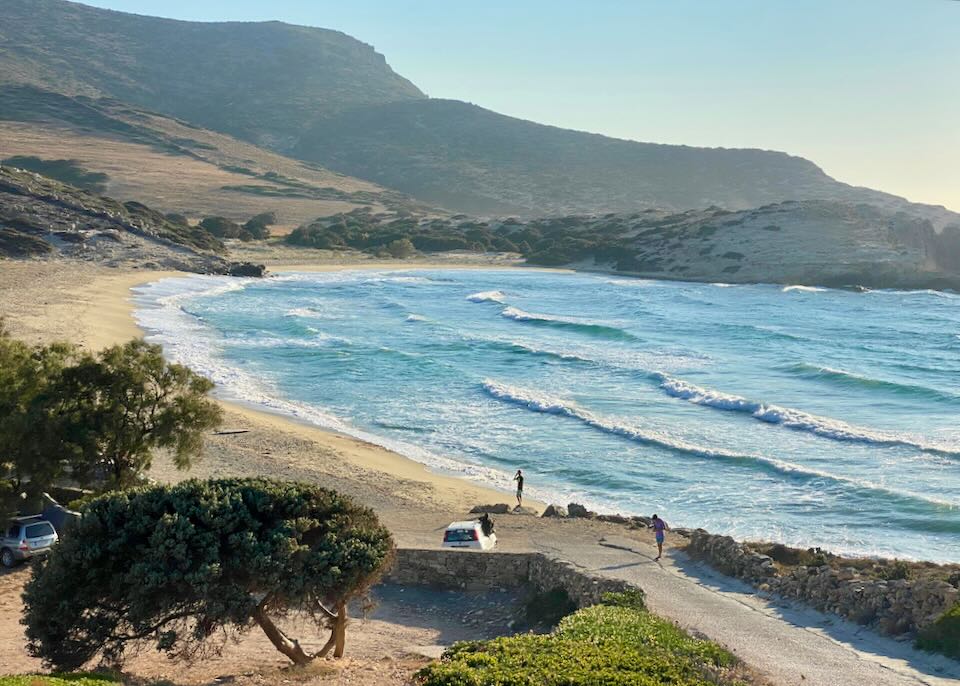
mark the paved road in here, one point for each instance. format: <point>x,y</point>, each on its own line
<point>790,644</point>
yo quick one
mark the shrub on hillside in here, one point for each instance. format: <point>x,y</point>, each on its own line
<point>615,643</point>
<point>187,567</point>
<point>221,227</point>
<point>401,248</point>
<point>259,226</point>
<point>943,636</point>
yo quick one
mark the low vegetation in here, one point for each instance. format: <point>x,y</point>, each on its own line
<point>186,568</point>
<point>615,643</point>
<point>95,419</point>
<point>943,636</point>
<point>74,679</point>
<point>67,171</point>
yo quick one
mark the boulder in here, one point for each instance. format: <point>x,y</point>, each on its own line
<point>555,511</point>
<point>574,510</point>
<point>498,508</point>
<point>246,269</point>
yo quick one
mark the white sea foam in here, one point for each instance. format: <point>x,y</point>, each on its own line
<point>487,296</point>
<point>803,289</point>
<point>416,318</point>
<point>796,419</point>
<point>540,402</point>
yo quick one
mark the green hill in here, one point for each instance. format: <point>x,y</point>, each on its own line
<point>330,99</point>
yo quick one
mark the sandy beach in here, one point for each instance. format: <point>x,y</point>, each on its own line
<point>92,306</point>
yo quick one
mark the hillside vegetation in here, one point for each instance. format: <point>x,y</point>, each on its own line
<point>327,98</point>
<point>811,242</point>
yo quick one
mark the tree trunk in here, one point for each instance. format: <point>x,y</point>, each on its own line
<point>290,648</point>
<point>340,630</point>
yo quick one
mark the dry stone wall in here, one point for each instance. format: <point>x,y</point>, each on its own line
<point>475,570</point>
<point>894,607</point>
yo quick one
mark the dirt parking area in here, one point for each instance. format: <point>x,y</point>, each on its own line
<point>401,632</point>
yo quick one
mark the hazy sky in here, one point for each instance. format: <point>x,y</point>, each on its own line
<point>867,89</point>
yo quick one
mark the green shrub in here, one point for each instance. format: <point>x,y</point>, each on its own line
<point>943,636</point>
<point>187,567</point>
<point>71,679</point>
<point>616,643</point>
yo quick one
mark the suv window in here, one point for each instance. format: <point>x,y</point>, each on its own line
<point>14,531</point>
<point>38,530</point>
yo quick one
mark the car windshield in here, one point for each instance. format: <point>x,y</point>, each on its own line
<point>460,535</point>
<point>38,530</point>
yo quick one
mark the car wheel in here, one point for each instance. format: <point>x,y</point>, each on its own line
<point>7,559</point>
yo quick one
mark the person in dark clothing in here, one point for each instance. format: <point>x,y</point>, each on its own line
<point>486,524</point>
<point>519,479</point>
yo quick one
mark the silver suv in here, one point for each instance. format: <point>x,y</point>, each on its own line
<point>24,538</point>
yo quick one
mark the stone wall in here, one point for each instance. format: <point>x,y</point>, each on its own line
<point>893,607</point>
<point>476,570</point>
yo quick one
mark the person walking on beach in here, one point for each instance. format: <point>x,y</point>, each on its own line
<point>519,479</point>
<point>659,526</point>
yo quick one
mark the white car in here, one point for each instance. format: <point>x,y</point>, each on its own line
<point>468,535</point>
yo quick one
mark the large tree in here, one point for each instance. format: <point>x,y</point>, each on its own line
<point>96,418</point>
<point>179,566</point>
<point>117,408</point>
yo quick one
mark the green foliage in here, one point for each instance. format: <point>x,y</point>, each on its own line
<point>401,248</point>
<point>67,171</point>
<point>14,243</point>
<point>615,643</point>
<point>71,679</point>
<point>943,636</point>
<point>188,566</point>
<point>898,569</point>
<point>221,227</point>
<point>259,226</point>
<point>549,607</point>
<point>100,417</point>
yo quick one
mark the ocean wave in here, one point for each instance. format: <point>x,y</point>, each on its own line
<point>487,296</point>
<point>803,289</point>
<point>634,283</point>
<point>797,419</point>
<point>840,376</point>
<point>416,318</point>
<point>589,328</point>
<point>540,402</point>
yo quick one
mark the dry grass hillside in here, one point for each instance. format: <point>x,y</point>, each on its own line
<point>173,166</point>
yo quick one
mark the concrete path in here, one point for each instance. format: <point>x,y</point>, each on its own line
<point>791,644</point>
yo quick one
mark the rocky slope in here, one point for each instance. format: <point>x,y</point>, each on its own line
<point>40,217</point>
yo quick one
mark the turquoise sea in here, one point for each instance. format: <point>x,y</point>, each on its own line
<point>808,416</point>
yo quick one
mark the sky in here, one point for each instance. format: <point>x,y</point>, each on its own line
<point>867,89</point>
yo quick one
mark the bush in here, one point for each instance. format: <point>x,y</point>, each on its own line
<point>180,566</point>
<point>221,227</point>
<point>615,643</point>
<point>401,248</point>
<point>943,636</point>
<point>72,679</point>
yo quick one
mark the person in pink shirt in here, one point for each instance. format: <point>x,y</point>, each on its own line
<point>659,526</point>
